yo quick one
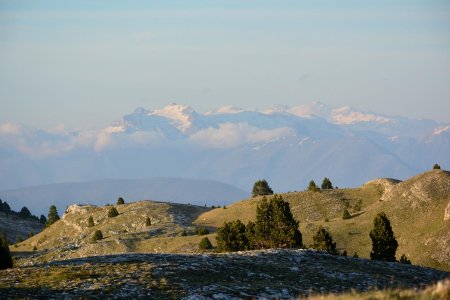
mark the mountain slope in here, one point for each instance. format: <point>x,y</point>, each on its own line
<point>200,192</point>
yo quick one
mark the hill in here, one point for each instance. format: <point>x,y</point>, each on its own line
<point>418,209</point>
<point>17,228</point>
<point>267,274</point>
<point>199,192</point>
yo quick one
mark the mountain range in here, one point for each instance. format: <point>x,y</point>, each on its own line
<point>288,146</point>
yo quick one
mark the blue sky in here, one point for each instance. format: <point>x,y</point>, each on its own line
<point>86,63</point>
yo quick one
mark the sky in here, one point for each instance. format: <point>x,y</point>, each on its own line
<point>83,64</point>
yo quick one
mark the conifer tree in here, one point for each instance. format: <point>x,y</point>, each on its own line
<point>98,235</point>
<point>5,256</point>
<point>113,212</point>
<point>42,219</point>
<point>322,240</point>
<point>91,222</point>
<point>312,186</point>
<point>404,260</point>
<point>25,213</point>
<point>148,222</point>
<point>120,201</point>
<point>261,188</point>
<point>384,244</point>
<point>436,167</point>
<point>52,215</point>
<point>326,184</point>
<point>346,215</point>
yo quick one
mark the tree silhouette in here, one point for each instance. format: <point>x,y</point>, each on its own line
<point>91,222</point>
<point>113,212</point>
<point>261,188</point>
<point>205,244</point>
<point>326,184</point>
<point>384,244</point>
<point>322,240</point>
<point>312,186</point>
<point>52,215</point>
<point>120,201</point>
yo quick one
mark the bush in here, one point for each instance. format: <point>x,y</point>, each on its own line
<point>436,167</point>
<point>346,215</point>
<point>120,201</point>
<point>113,212</point>
<point>98,235</point>
<point>91,222</point>
<point>322,240</point>
<point>202,231</point>
<point>148,222</point>
<point>261,188</point>
<point>232,237</point>
<point>384,244</point>
<point>184,232</point>
<point>355,255</point>
<point>205,244</point>
<point>404,260</point>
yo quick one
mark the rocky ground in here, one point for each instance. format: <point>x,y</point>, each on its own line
<point>282,274</point>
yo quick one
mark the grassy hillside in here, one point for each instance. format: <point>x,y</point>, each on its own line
<point>416,208</point>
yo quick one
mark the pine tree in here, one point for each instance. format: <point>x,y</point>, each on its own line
<point>261,188</point>
<point>91,222</point>
<point>384,244</point>
<point>120,201</point>
<point>322,240</point>
<point>25,213</point>
<point>52,215</point>
<point>42,219</point>
<point>231,237</point>
<point>148,222</point>
<point>436,167</point>
<point>312,186</point>
<point>275,226</point>
<point>113,212</point>
<point>326,184</point>
<point>205,244</point>
<point>5,256</point>
<point>98,235</point>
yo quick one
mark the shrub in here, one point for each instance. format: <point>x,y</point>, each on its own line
<point>148,222</point>
<point>91,222</point>
<point>384,244</point>
<point>120,201</point>
<point>113,212</point>
<point>202,231</point>
<point>346,215</point>
<point>184,232</point>
<point>436,167</point>
<point>404,260</point>
<point>355,255</point>
<point>322,240</point>
<point>5,256</point>
<point>98,235</point>
<point>261,188</point>
<point>205,244</point>
<point>232,237</point>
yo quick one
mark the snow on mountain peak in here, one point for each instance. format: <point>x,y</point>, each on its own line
<point>181,115</point>
<point>225,110</point>
<point>441,130</point>
<point>276,108</point>
<point>346,115</point>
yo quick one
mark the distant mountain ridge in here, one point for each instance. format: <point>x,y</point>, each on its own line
<point>199,192</point>
<point>288,146</point>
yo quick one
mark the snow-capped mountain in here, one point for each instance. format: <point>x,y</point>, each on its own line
<point>286,145</point>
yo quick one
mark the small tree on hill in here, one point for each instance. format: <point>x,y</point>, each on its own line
<point>42,219</point>
<point>404,260</point>
<point>5,256</point>
<point>436,167</point>
<point>98,235</point>
<point>275,226</point>
<point>148,222</point>
<point>52,215</point>
<point>231,237</point>
<point>322,240</point>
<point>25,213</point>
<point>113,212</point>
<point>205,244</point>
<point>91,222</point>
<point>202,231</point>
<point>384,244</point>
<point>120,201</point>
<point>261,188</point>
<point>326,184</point>
<point>312,186</point>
